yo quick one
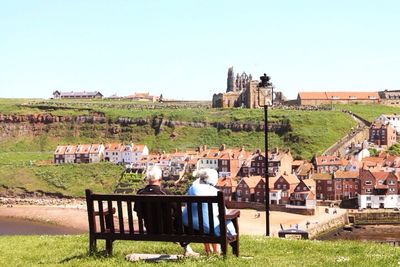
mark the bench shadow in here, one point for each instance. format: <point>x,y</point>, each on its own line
<point>99,254</point>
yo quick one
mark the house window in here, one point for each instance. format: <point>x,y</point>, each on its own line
<point>391,189</point>
<point>368,190</point>
<point>368,182</point>
<point>368,198</point>
<point>381,198</point>
<point>305,188</point>
<point>391,182</point>
<point>329,182</point>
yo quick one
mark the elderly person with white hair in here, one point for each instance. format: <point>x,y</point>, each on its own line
<point>153,187</point>
<point>205,186</point>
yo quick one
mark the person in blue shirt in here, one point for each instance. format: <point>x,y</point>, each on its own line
<point>205,186</point>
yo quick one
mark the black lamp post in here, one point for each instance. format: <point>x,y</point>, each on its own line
<point>265,83</point>
<point>267,221</point>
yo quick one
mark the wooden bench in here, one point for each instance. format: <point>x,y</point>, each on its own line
<point>111,217</point>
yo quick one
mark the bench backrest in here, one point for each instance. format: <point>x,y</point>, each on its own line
<point>161,224</point>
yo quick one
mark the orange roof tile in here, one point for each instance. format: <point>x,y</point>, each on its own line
<point>346,174</point>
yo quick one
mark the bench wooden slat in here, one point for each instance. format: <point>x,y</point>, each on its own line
<point>120,217</point>
<point>190,217</point>
<point>169,223</point>
<point>130,217</point>
<point>149,218</point>
<point>101,215</point>
<point>211,218</point>
<point>140,218</point>
<point>160,218</point>
<point>200,216</point>
<point>109,218</point>
<point>179,219</point>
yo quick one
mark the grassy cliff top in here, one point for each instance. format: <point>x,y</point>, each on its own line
<point>255,251</point>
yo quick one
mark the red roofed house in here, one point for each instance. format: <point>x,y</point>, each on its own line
<point>59,154</point>
<point>324,186</point>
<point>382,134</point>
<point>82,153</point>
<point>113,152</point>
<point>245,189</point>
<point>96,153</point>
<point>70,154</point>
<point>329,98</point>
<point>279,161</point>
<point>303,195</point>
<point>378,190</point>
<point>259,190</point>
<point>229,162</point>
<point>284,185</point>
<point>346,184</point>
<point>329,164</point>
<point>228,186</point>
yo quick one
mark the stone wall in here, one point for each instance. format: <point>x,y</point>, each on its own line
<point>261,207</point>
<point>374,217</point>
<point>334,223</point>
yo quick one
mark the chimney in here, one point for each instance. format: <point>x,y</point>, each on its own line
<point>204,147</point>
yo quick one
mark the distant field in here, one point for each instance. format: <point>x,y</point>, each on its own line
<point>370,112</point>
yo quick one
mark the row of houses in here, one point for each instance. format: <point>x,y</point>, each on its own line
<point>90,153</point>
<point>387,97</point>
<point>138,96</point>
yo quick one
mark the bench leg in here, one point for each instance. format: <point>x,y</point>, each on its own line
<point>109,246</point>
<point>92,245</point>
<point>235,248</point>
<point>224,248</point>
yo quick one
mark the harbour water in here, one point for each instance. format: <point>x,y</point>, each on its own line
<point>11,226</point>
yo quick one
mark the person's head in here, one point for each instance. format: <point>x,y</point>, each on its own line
<point>153,175</point>
<point>207,176</point>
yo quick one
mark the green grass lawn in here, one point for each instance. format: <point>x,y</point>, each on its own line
<point>370,112</point>
<point>255,251</point>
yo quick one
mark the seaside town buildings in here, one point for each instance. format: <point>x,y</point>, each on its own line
<point>293,184</point>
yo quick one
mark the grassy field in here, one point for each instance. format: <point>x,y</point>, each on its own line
<point>255,251</point>
<point>68,179</point>
<point>369,112</point>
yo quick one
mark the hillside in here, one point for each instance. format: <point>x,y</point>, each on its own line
<point>31,129</point>
<point>255,251</point>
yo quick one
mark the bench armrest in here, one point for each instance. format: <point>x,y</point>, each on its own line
<point>232,214</point>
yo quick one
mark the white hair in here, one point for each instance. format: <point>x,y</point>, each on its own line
<point>206,176</point>
<point>153,173</point>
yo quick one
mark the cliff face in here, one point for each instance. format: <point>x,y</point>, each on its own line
<point>17,125</point>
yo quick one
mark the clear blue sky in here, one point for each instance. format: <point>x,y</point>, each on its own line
<point>183,48</point>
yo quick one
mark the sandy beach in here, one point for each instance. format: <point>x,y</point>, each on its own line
<point>75,216</point>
